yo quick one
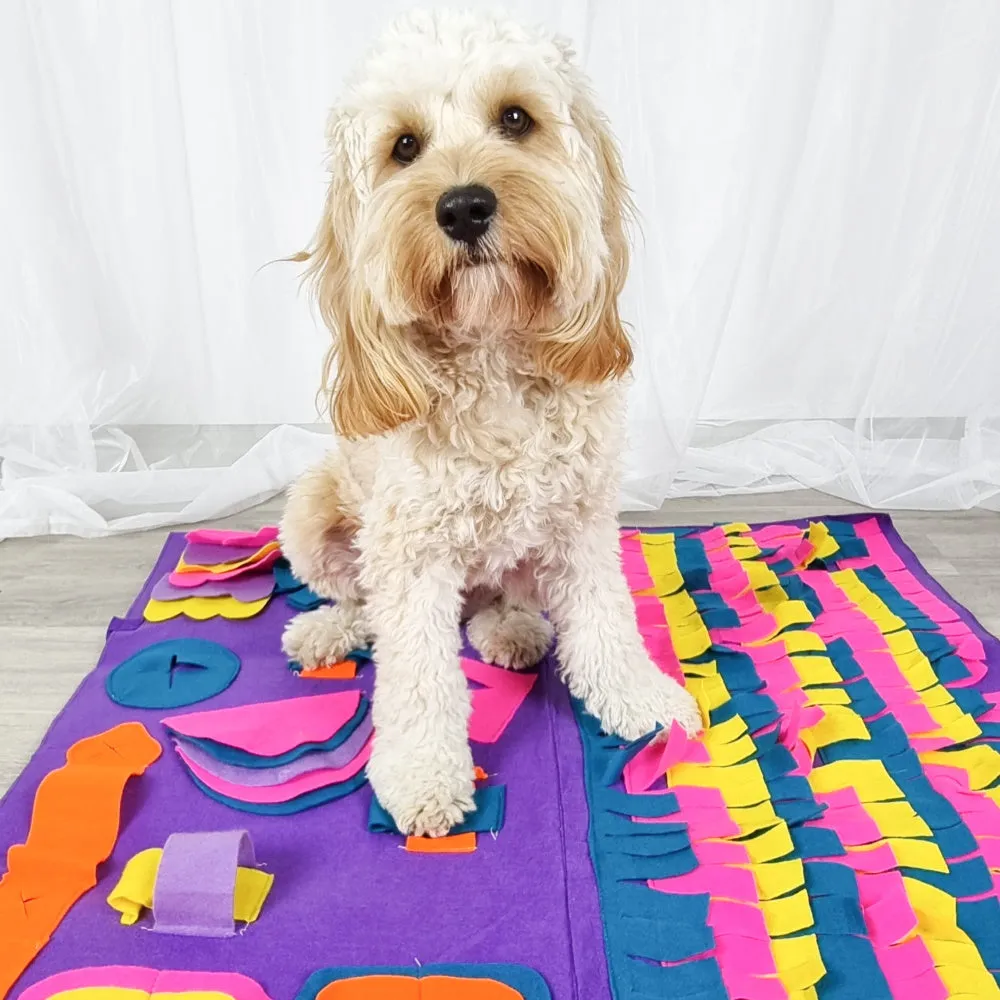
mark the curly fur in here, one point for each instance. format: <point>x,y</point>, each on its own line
<point>479,403</point>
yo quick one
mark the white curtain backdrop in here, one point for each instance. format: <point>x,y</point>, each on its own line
<point>815,295</point>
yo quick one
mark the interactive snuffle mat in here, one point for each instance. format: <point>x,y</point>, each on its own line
<point>197,825</point>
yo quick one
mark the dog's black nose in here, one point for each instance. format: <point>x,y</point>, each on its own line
<point>464,213</point>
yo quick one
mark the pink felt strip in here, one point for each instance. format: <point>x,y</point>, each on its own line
<point>744,956</point>
<point>720,852</point>
<point>840,798</point>
<point>287,790</point>
<point>731,919</point>
<point>150,981</point>
<point>636,571</point>
<point>495,704</point>
<point>649,612</point>
<point>271,728</point>
<point>756,629</point>
<point>889,916</point>
<point>719,881</point>
<point>198,578</point>
<point>692,797</point>
<point>854,827</point>
<point>907,963</point>
<point>756,987</point>
<point>221,536</point>
<point>653,760</point>
<point>879,859</point>
<point>710,824</point>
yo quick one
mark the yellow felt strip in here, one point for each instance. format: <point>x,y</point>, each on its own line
<point>798,961</point>
<point>868,777</point>
<point>778,878</point>
<point>803,641</point>
<point>134,891</point>
<point>741,784</point>
<point>203,608</point>
<point>815,670</point>
<point>981,763</point>
<point>709,692</point>
<point>838,723</point>
<point>760,575</point>
<point>735,528</point>
<point>769,845</point>
<point>788,914</point>
<point>827,696</point>
<point>897,819</point>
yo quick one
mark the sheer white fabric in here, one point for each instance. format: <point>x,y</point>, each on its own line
<point>814,294</point>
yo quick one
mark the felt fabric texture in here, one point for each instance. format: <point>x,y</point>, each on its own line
<point>195,886</point>
<point>271,728</point>
<point>242,588</point>
<point>201,608</point>
<point>284,791</point>
<point>456,843</point>
<point>529,896</point>
<point>496,702</point>
<point>318,760</point>
<point>241,758</point>
<point>212,554</point>
<point>173,673</point>
<point>433,982</point>
<point>841,728</point>
<point>318,797</point>
<point>75,821</point>
<point>345,670</point>
<point>225,536</point>
<point>134,891</point>
<point>190,576</point>
<point>138,982</point>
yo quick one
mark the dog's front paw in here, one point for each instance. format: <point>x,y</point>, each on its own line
<point>425,794</point>
<point>511,637</point>
<point>646,699</point>
<point>326,635</point>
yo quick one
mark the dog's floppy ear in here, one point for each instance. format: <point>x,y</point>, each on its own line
<point>373,378</point>
<point>594,346</point>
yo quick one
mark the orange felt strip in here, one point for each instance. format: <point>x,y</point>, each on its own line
<point>480,774</point>
<point>375,987</point>
<point>74,826</point>
<point>457,843</point>
<point>345,670</point>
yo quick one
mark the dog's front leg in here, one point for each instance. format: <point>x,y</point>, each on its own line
<point>602,655</point>
<point>421,765</point>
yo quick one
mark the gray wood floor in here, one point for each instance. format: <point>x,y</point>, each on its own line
<point>57,594</point>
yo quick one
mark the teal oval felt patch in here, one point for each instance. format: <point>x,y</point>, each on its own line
<point>172,674</point>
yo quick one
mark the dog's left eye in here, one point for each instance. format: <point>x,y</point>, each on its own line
<point>515,121</point>
<point>407,149</point>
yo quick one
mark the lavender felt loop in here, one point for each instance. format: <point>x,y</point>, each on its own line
<point>248,588</point>
<point>213,554</point>
<point>196,882</point>
<point>256,777</point>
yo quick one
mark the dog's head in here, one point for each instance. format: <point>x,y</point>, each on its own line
<point>475,189</point>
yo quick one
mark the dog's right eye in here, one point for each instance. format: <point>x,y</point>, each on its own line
<point>407,149</point>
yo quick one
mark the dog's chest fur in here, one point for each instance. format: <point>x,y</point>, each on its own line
<point>506,464</point>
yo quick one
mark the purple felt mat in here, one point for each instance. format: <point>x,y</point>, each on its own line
<point>341,896</point>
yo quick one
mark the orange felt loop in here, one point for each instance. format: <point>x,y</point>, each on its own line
<point>375,986</point>
<point>457,843</point>
<point>345,670</point>
<point>74,826</point>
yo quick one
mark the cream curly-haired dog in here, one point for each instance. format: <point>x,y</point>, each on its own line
<point>468,264</point>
